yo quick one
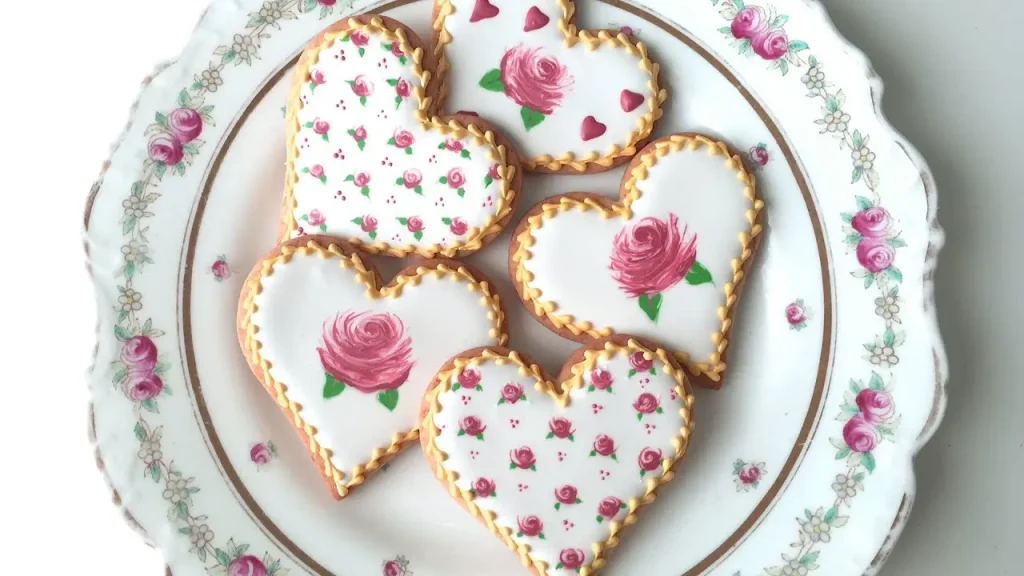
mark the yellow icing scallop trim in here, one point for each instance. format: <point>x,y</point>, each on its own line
<point>475,236</point>
<point>279,390</point>
<point>713,366</point>
<point>560,394</point>
<point>656,95</point>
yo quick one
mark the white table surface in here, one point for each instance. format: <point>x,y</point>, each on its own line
<point>954,80</point>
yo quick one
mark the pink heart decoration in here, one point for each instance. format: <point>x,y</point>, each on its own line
<point>630,100</point>
<point>483,10</point>
<point>591,129</point>
<point>535,20</point>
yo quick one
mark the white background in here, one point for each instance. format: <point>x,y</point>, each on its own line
<point>954,79</point>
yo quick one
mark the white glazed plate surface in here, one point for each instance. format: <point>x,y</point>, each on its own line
<point>802,461</point>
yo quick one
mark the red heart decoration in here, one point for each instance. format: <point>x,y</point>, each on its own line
<point>483,10</point>
<point>591,128</point>
<point>535,20</point>
<point>630,100</point>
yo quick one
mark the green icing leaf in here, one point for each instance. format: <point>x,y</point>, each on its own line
<point>492,81</point>
<point>332,386</point>
<point>531,118</point>
<point>388,399</point>
<point>698,275</point>
<point>651,305</point>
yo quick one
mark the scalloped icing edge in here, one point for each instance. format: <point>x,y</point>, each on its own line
<point>374,25</point>
<point>342,484</point>
<point>714,366</point>
<point>498,355</point>
<point>573,36</point>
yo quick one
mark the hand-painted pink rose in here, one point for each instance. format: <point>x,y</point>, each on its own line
<point>652,256</point>
<point>748,22</point>
<point>609,507</point>
<point>359,38</point>
<point>770,44</point>
<point>366,350</point>
<point>493,172</point>
<point>749,474</point>
<point>315,218</point>
<point>247,565</point>
<point>456,179</point>
<point>396,49</point>
<point>453,145</point>
<point>220,269</point>
<point>860,434</point>
<point>875,255</point>
<point>511,392</point>
<point>567,494</point>
<point>321,126</point>
<point>876,405</point>
<point>530,526</point>
<point>646,403</point>
<point>369,224</point>
<point>359,134</point>
<point>604,445</point>
<point>522,457</point>
<point>796,314</point>
<point>469,378</point>
<point>327,2</point>
<point>649,459</point>
<point>316,170</point>
<point>873,222</point>
<point>571,558</point>
<point>361,179</point>
<point>412,178</point>
<point>601,378</point>
<point>403,138</point>
<point>561,427</point>
<point>533,80</point>
<point>640,362</point>
<point>260,454</point>
<point>317,77</point>
<point>144,386</point>
<point>186,124</point>
<point>139,354</point>
<point>392,568</point>
<point>483,487</point>
<point>403,88</point>
<point>362,86</point>
<point>415,224</point>
<point>166,149</point>
<point>472,426</point>
<point>760,155</point>
<point>458,226</point>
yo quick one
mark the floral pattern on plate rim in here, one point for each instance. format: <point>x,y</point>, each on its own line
<point>868,410</point>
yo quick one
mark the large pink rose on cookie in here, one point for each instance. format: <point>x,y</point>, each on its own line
<point>369,352</point>
<point>534,80</point>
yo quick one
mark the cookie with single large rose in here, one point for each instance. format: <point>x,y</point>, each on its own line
<point>665,260</point>
<point>531,456</point>
<point>572,101</point>
<point>370,161</point>
<point>346,357</point>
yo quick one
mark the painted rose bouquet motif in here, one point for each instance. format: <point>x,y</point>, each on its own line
<point>366,351</point>
<point>760,31</point>
<point>653,256</point>
<point>870,416</point>
<point>138,373</point>
<point>532,80</point>
<point>235,562</point>
<point>870,230</point>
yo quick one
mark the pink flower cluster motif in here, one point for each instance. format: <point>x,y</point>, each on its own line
<point>140,382</point>
<point>768,40</point>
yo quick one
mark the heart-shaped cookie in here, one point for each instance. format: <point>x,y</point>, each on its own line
<point>556,469</point>
<point>571,100</point>
<point>665,261</point>
<point>370,163</point>
<point>347,359</point>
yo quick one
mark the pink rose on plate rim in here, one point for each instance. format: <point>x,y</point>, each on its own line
<point>327,2</point>
<point>220,269</point>
<point>316,218</point>
<point>392,568</point>
<point>649,459</point>
<point>403,88</point>
<point>567,494</point>
<point>604,445</point>
<point>415,224</point>
<point>456,179</point>
<point>367,351</point>
<point>533,80</point>
<point>639,361</point>
<point>359,38</point>
<point>652,256</point>
<point>469,378</point>
<point>770,44</point>
<point>483,487</point>
<point>860,434</point>
<point>142,386</point>
<point>511,392</point>
<point>471,426</point>
<point>260,453</point>
<point>759,154</point>
<point>369,224</point>
<point>458,226</point>
<point>403,138</point>
<point>247,565</point>
<point>362,86</point>
<point>361,179</point>
<point>748,22</point>
<point>166,149</point>
<point>601,379</point>
<point>561,427</point>
<point>749,474</point>
<point>872,222</point>
<point>529,526</point>
<point>875,255</point>
<point>186,124</point>
<point>646,403</point>
<point>571,558</point>
<point>321,126</point>
<point>876,406</point>
<point>523,457</point>
<point>139,354</point>
<point>609,507</point>
<point>796,314</point>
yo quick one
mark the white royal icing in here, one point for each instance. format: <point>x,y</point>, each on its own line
<point>520,493</point>
<point>572,253</point>
<point>293,305</point>
<point>440,194</point>
<point>598,78</point>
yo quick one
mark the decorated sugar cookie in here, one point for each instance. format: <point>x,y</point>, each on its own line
<point>369,162</point>
<point>665,261</point>
<point>570,100</point>
<point>347,359</point>
<point>556,468</point>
